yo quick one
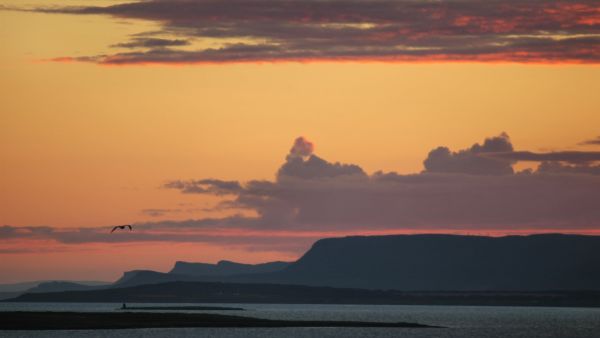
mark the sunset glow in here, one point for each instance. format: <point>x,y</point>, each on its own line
<point>224,132</point>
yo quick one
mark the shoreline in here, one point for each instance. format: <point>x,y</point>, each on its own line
<point>179,308</point>
<point>21,320</point>
<point>206,293</point>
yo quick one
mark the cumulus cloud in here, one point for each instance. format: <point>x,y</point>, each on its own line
<point>470,161</point>
<point>311,197</point>
<point>301,163</point>
<point>316,167</point>
<point>298,165</point>
<point>302,147</point>
<point>462,190</point>
<point>382,30</point>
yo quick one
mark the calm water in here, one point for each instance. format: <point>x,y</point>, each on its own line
<point>462,321</point>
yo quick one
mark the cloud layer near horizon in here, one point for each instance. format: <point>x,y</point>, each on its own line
<point>354,30</point>
<point>474,188</point>
<point>470,190</point>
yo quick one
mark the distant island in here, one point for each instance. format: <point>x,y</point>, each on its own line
<point>534,270</point>
<point>417,263</point>
<point>13,290</point>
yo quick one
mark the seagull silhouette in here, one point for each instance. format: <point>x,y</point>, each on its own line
<point>122,227</point>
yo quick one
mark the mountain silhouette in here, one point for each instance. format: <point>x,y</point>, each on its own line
<point>58,286</point>
<point>142,277</point>
<point>28,286</point>
<point>225,268</point>
<point>536,270</point>
<point>416,263</point>
<point>185,271</point>
<point>448,262</point>
<point>408,263</point>
<point>12,290</point>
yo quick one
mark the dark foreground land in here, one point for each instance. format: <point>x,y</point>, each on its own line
<point>132,320</point>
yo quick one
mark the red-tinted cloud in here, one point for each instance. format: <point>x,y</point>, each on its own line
<point>302,147</point>
<point>353,30</point>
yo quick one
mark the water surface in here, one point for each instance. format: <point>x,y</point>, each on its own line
<point>461,321</point>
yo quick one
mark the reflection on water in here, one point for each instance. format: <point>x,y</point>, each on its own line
<point>462,321</point>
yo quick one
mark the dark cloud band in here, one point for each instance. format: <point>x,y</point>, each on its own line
<point>353,30</point>
<point>563,156</point>
<point>591,142</point>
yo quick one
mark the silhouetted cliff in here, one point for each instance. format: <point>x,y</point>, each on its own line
<point>184,271</point>
<point>448,262</point>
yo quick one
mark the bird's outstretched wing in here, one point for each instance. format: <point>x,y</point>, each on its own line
<point>122,227</point>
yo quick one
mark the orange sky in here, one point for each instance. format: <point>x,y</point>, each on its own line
<point>84,145</point>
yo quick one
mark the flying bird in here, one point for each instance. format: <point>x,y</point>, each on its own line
<point>122,227</point>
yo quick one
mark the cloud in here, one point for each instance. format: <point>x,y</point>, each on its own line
<point>352,30</point>
<point>460,191</point>
<point>151,43</point>
<point>157,212</point>
<point>205,186</point>
<point>469,161</point>
<point>298,165</point>
<point>302,147</point>
<point>559,168</point>
<point>316,167</point>
<point>564,156</point>
<point>591,142</point>
<point>153,232</point>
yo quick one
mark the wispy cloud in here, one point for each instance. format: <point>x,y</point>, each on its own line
<point>141,42</point>
<point>197,231</point>
<point>592,142</point>
<point>158,212</point>
<point>353,30</point>
<point>564,156</point>
<point>212,186</point>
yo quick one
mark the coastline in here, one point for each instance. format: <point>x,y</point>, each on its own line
<point>21,320</point>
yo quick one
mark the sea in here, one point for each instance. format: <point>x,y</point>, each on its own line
<point>458,321</point>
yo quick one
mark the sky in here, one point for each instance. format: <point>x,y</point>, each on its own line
<point>246,131</point>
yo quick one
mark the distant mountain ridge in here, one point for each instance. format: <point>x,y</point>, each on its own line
<point>417,263</point>
<point>142,277</point>
<point>411,263</point>
<point>185,271</point>
<point>13,290</point>
<point>225,268</point>
<point>58,286</point>
<point>24,286</point>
